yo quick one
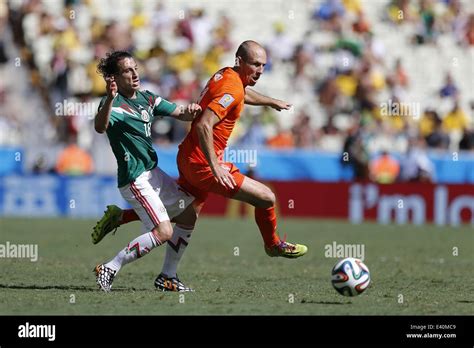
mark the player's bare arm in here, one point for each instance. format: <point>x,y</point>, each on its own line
<point>204,129</point>
<point>101,121</point>
<point>187,113</point>
<point>252,97</point>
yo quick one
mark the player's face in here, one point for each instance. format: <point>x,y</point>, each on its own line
<point>253,67</point>
<point>127,78</point>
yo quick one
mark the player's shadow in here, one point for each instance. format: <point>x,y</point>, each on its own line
<point>61,287</point>
<point>326,302</point>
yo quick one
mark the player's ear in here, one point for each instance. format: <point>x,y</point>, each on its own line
<point>237,60</point>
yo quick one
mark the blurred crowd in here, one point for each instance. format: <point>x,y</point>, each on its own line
<point>354,99</point>
<point>62,52</point>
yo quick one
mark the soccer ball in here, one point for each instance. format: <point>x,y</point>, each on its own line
<point>350,277</point>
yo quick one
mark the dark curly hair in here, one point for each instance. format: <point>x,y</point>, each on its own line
<point>108,66</point>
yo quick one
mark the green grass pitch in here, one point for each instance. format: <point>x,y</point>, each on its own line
<point>414,269</point>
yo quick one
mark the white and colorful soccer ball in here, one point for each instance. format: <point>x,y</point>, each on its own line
<point>350,277</point>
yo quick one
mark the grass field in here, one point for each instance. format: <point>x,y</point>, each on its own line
<point>415,262</point>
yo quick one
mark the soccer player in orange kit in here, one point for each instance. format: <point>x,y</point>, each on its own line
<point>200,169</point>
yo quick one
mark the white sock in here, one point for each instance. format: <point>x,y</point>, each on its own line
<point>137,248</point>
<point>175,250</point>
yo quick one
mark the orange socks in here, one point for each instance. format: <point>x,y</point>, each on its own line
<point>266,221</point>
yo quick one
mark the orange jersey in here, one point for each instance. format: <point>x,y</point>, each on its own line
<point>224,95</point>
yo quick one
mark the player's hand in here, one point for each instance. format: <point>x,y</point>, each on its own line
<point>279,105</point>
<point>190,112</point>
<point>111,87</point>
<point>223,177</point>
<point>193,111</point>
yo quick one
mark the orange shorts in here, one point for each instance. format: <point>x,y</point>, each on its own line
<point>198,179</point>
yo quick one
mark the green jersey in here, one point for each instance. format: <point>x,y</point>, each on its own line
<point>129,132</point>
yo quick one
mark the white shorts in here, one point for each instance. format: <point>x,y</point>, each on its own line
<point>155,197</point>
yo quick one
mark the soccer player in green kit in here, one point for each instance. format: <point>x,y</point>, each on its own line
<point>126,115</point>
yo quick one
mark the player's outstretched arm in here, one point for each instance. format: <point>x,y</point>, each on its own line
<point>252,97</point>
<point>187,113</point>
<point>101,121</point>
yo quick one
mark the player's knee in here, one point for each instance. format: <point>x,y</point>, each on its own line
<point>267,198</point>
<point>163,232</point>
<point>167,231</point>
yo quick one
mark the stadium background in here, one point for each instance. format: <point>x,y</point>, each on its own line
<point>344,151</point>
<point>343,65</point>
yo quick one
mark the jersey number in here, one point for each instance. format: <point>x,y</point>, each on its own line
<point>147,129</point>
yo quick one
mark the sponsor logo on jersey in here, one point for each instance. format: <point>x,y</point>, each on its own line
<point>217,77</point>
<point>226,100</point>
